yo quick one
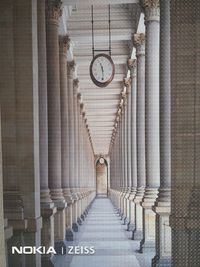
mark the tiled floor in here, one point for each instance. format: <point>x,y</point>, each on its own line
<point>104,231</point>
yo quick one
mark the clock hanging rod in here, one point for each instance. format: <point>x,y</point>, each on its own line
<point>93,40</point>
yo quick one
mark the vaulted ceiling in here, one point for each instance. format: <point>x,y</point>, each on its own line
<point>101,104</point>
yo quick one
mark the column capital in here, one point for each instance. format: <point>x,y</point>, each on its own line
<point>117,118</point>
<point>76,86</point>
<point>82,111</point>
<point>132,64</point>
<point>53,9</point>
<point>127,83</point>
<point>79,96</point>
<point>139,42</point>
<point>151,9</point>
<point>71,66</point>
<point>138,39</point>
<point>64,43</point>
<point>123,96</point>
<point>119,111</point>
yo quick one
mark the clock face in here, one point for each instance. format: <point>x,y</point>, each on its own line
<point>101,160</point>
<point>102,70</point>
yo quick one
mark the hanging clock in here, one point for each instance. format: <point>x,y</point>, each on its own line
<point>101,160</point>
<point>102,70</point>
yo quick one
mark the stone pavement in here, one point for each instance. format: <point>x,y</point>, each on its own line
<point>103,230</point>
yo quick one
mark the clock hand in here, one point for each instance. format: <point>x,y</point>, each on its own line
<point>102,71</point>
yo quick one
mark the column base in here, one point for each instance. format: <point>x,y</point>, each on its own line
<point>46,261</point>
<point>126,221</point>
<point>118,211</point>
<point>130,227</point>
<point>75,227</point>
<point>164,262</point>
<point>137,235</point>
<point>82,217</point>
<point>60,247</point>
<point>85,213</point>
<point>79,221</point>
<point>123,217</point>
<point>147,246</point>
<point>69,235</point>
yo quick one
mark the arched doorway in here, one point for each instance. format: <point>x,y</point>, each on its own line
<point>102,177</point>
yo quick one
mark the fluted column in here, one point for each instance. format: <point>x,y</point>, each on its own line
<point>126,204</point>
<point>76,153</point>
<point>20,127</point>
<point>80,153</point>
<point>76,150</point>
<point>72,143</point>
<point>185,129</point>
<point>163,203</point>
<point>69,161</point>
<point>64,46</point>
<point>124,160</point>
<point>2,236</point>
<point>133,140</point>
<point>53,12</point>
<point>47,205</point>
<point>122,185</point>
<point>70,73</point>
<point>127,83</point>
<point>75,115</point>
<point>43,112</point>
<point>64,43</point>
<point>152,17</point>
<point>139,42</point>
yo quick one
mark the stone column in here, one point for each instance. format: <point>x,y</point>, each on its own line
<point>13,201</point>
<point>126,207</point>
<point>121,157</point>
<point>127,83</point>
<point>75,154</point>
<point>75,116</point>
<point>152,17</point>
<point>80,174</point>
<point>139,42</point>
<point>53,12</point>
<point>47,206</point>
<point>133,141</point>
<point>2,236</point>
<point>76,150</point>
<point>82,157</point>
<point>122,163</point>
<point>27,129</point>
<point>185,129</point>
<point>72,143</point>
<point>163,202</point>
<point>64,43</point>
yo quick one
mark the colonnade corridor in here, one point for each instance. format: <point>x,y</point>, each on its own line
<point>104,230</point>
<point>100,133</point>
